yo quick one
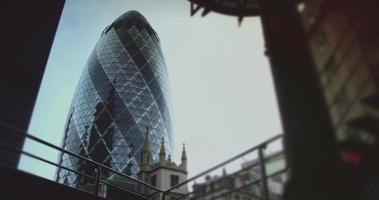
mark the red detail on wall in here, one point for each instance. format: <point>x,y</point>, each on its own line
<point>245,177</point>
<point>352,157</point>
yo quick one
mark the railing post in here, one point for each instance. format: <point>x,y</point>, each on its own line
<point>163,197</point>
<point>97,181</point>
<point>265,191</point>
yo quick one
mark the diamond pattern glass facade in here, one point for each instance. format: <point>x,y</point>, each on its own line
<point>122,90</point>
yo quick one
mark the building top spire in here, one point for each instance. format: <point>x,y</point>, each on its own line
<point>146,142</point>
<point>163,149</point>
<point>146,152</point>
<point>224,173</point>
<point>162,154</point>
<point>184,154</point>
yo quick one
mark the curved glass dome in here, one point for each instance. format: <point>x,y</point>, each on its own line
<point>122,90</point>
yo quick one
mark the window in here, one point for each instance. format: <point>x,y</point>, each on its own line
<point>174,180</point>
<point>330,68</point>
<point>153,180</point>
<point>277,178</point>
<point>321,41</point>
<point>342,101</point>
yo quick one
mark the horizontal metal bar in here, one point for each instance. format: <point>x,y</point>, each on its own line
<point>2,145</point>
<point>156,192</point>
<point>263,144</point>
<point>123,189</point>
<point>221,179</point>
<point>189,193</point>
<point>22,133</point>
<point>250,184</point>
<point>234,173</point>
<point>68,169</point>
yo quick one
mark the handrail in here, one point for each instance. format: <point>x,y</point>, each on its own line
<point>236,172</point>
<point>2,145</point>
<point>122,188</point>
<point>249,184</point>
<point>22,133</point>
<point>261,145</point>
<point>258,147</point>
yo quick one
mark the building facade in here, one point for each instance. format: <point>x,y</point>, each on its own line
<point>163,174</point>
<point>18,99</point>
<point>218,187</point>
<point>344,43</point>
<point>244,184</point>
<point>122,90</point>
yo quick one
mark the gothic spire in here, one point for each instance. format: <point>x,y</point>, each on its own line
<point>183,165</point>
<point>162,153</point>
<point>163,149</point>
<point>145,153</point>
<point>184,154</point>
<point>146,142</point>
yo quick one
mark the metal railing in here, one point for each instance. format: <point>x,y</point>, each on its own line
<point>157,192</point>
<point>98,166</point>
<point>261,162</point>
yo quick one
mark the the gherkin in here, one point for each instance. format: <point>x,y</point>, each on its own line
<point>122,90</point>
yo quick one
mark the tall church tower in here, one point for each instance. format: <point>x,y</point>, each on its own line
<point>163,174</point>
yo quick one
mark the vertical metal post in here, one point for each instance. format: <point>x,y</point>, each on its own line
<point>309,140</point>
<point>97,181</point>
<point>163,197</point>
<point>265,191</point>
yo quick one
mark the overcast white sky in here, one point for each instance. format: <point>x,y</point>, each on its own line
<point>222,90</point>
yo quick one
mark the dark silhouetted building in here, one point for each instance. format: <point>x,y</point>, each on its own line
<point>123,90</point>
<point>344,43</point>
<point>343,39</point>
<point>20,79</point>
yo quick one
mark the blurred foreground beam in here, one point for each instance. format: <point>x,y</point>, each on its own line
<point>309,139</point>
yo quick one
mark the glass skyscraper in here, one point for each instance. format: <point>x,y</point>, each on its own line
<point>123,90</point>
